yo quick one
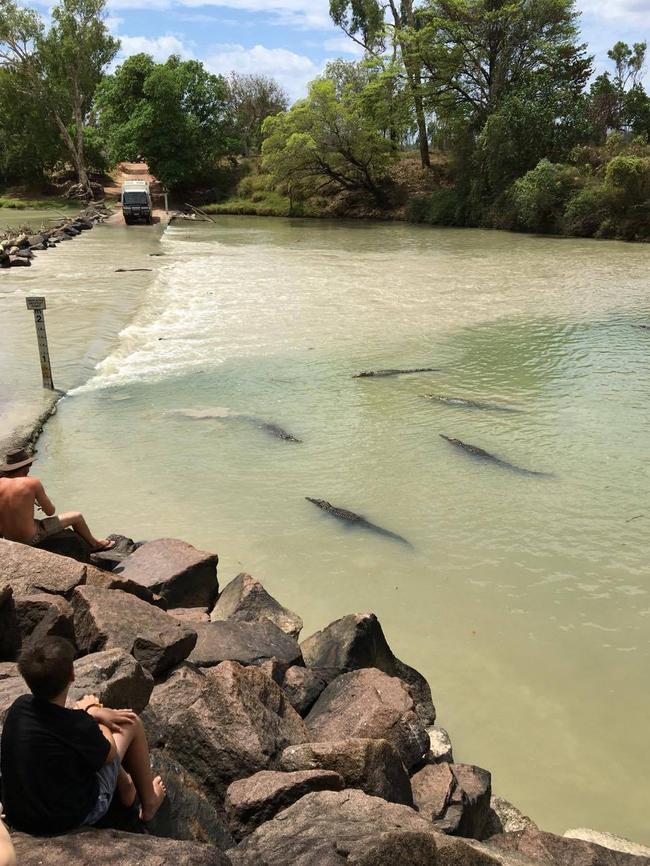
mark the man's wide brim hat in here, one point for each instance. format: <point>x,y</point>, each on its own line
<point>16,459</point>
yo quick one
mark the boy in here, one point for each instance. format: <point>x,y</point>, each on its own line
<point>60,767</point>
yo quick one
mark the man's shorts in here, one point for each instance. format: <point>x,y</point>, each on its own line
<point>46,527</point>
<point>107,779</point>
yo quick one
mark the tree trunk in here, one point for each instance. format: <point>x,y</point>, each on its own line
<point>403,19</point>
<point>77,158</point>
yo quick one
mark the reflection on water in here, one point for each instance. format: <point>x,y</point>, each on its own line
<point>524,600</point>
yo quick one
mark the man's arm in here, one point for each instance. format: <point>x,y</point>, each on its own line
<point>42,498</point>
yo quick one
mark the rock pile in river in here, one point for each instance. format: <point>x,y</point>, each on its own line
<point>320,753</point>
<point>17,247</point>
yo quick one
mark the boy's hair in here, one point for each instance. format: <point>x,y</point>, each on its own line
<point>46,666</point>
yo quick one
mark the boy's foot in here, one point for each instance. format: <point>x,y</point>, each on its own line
<point>104,545</point>
<point>126,789</point>
<point>149,809</point>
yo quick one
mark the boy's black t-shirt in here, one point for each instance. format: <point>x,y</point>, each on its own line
<point>49,757</point>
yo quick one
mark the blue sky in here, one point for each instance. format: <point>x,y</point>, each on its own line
<point>293,39</point>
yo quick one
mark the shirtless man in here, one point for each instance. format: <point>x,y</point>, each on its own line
<point>18,496</point>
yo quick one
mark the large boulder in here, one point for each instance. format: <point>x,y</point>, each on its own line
<point>303,686</point>
<point>433,787</point>
<point>91,847</point>
<point>440,748</point>
<point>115,677</point>
<point>374,766</point>
<point>186,812</point>
<point>183,575</point>
<point>43,615</point>
<point>10,689</point>
<point>369,703</point>
<point>349,828</point>
<point>223,723</point>
<point>252,801</point>
<point>108,580</point>
<point>546,849</point>
<point>506,818</point>
<point>29,570</point>
<point>66,543</point>
<point>244,599</point>
<point>107,618</point>
<point>10,639</point>
<point>455,797</point>
<point>607,840</point>
<point>107,560</point>
<point>358,641</point>
<point>249,643</point>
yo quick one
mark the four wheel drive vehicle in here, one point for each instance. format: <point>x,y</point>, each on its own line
<point>136,201</point>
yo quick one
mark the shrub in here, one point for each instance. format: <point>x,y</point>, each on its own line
<point>539,197</point>
<point>630,176</point>
<point>588,211</point>
<point>440,208</point>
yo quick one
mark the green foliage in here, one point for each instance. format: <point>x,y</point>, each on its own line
<point>439,208</point>
<point>541,195</point>
<point>175,115</point>
<point>325,142</point>
<point>587,211</point>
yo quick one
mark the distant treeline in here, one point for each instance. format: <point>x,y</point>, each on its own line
<point>496,100</point>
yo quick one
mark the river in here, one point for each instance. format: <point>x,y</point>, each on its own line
<point>524,599</point>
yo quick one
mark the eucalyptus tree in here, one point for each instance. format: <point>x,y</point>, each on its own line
<point>57,69</point>
<point>374,23</point>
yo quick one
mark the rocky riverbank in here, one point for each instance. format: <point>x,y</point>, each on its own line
<point>19,246</point>
<point>321,752</point>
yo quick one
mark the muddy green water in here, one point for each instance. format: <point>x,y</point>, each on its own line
<point>524,600</point>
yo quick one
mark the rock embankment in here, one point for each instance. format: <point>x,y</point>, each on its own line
<point>320,753</point>
<point>18,247</point>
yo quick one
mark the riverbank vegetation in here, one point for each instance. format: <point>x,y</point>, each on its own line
<point>461,112</point>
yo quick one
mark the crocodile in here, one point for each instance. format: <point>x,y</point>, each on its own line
<point>218,414</point>
<point>462,403</point>
<point>367,374</point>
<point>475,451</point>
<point>353,519</point>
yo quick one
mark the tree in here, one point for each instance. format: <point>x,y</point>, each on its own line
<point>505,79</point>
<point>30,144</point>
<point>365,22</point>
<point>478,52</point>
<point>175,115</point>
<point>253,98</point>
<point>58,70</point>
<point>325,142</point>
<point>628,62</point>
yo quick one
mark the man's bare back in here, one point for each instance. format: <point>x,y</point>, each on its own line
<point>18,497</point>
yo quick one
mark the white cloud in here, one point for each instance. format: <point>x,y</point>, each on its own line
<point>159,48</point>
<point>293,71</point>
<point>625,12</point>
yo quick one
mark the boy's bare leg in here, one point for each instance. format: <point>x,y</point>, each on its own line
<point>125,789</point>
<point>76,520</point>
<point>133,749</point>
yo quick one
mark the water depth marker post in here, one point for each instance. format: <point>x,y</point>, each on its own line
<point>38,305</point>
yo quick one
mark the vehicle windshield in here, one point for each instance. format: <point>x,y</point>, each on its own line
<point>135,198</point>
